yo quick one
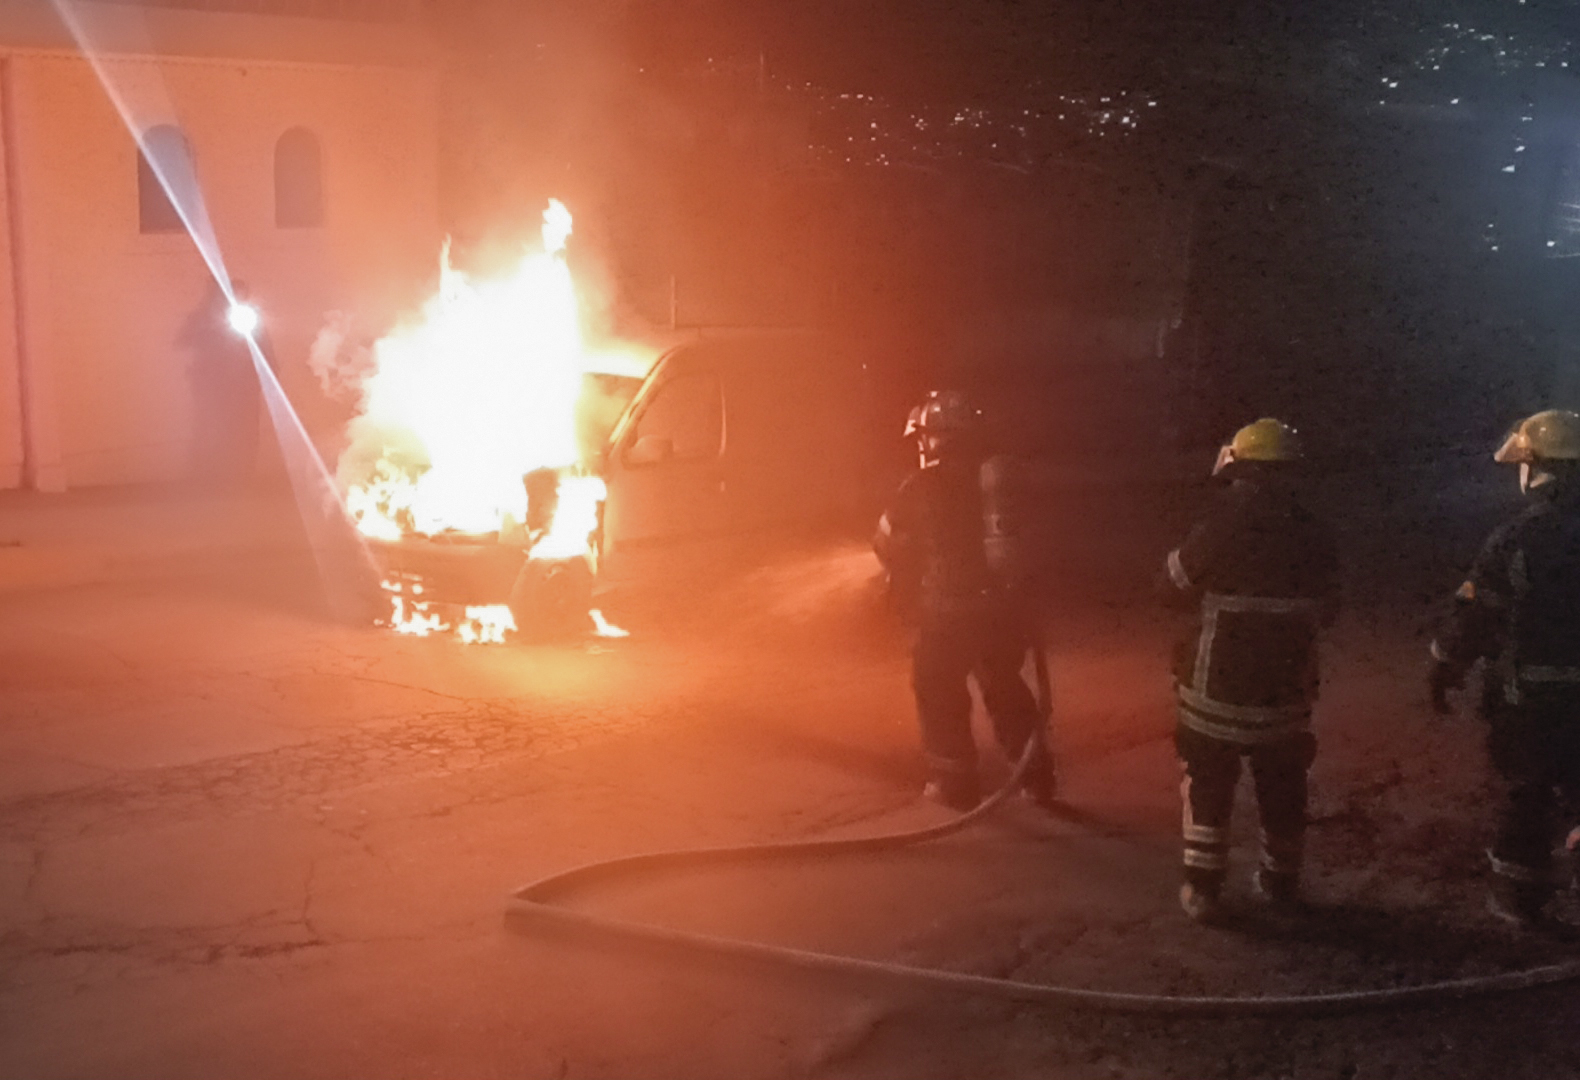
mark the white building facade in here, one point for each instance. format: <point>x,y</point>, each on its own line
<point>314,143</point>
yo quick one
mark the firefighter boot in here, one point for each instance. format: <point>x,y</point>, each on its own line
<point>1200,901</point>
<point>952,781</point>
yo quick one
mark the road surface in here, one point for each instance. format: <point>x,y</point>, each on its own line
<point>239,840</point>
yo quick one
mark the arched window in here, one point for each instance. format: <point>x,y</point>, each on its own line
<point>165,179</point>
<point>298,180</point>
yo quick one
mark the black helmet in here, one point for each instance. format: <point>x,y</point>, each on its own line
<point>943,412</point>
<point>943,418</point>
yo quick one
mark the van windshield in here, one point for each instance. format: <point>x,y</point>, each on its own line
<point>603,401</point>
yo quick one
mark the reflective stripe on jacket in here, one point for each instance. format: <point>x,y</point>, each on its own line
<point>1262,572</point>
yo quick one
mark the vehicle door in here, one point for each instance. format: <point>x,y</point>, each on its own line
<point>666,473</point>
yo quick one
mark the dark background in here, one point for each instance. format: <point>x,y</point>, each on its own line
<point>1147,222</point>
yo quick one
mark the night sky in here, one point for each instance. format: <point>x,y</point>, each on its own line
<point>1360,213</point>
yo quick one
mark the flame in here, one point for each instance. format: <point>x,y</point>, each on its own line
<point>459,405</point>
<point>486,624</point>
<point>477,393</point>
<point>409,615</point>
<point>556,227</point>
<point>575,519</point>
<point>604,628</point>
<point>482,624</point>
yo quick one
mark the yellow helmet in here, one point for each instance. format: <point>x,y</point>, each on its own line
<point>1266,440</point>
<point>1553,435</point>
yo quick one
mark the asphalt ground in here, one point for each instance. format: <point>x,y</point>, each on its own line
<point>238,838</point>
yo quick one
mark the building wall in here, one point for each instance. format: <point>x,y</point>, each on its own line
<point>112,301</point>
<point>10,371</point>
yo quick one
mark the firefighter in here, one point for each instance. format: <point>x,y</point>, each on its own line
<point>1261,571</point>
<point>948,542</point>
<point>1519,610</point>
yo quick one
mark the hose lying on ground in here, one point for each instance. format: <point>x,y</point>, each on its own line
<point>537,902</point>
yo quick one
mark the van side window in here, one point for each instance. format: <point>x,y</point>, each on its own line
<point>689,412</point>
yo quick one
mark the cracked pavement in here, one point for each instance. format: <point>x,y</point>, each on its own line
<point>238,840</point>
<point>205,785</point>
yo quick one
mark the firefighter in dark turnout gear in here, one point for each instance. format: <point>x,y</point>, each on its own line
<point>947,542</point>
<point>1519,611</point>
<point>1261,571</point>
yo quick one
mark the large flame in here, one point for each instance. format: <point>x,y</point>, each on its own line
<point>478,392</point>
<point>459,405</point>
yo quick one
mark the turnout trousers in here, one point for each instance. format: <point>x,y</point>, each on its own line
<point>988,645</point>
<point>1211,770</point>
<point>1535,748</point>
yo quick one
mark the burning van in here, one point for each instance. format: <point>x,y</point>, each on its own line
<point>533,574</point>
<point>499,467</point>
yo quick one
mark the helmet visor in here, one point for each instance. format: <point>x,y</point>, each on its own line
<point>1225,459</point>
<point>1515,448</point>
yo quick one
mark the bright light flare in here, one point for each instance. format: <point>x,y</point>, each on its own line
<point>243,318</point>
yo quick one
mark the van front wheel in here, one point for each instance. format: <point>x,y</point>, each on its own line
<point>551,597</point>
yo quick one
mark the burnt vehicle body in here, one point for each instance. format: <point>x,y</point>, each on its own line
<point>729,447</point>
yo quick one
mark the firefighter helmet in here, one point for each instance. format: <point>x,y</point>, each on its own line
<point>943,412</point>
<point>943,422</point>
<point>1553,435</point>
<point>1267,441</point>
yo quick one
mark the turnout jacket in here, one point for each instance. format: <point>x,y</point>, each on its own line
<point>1261,571</point>
<point>950,539</point>
<point>1519,609</point>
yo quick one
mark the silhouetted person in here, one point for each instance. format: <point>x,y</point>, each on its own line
<point>225,389</point>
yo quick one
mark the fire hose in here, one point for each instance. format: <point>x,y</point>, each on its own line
<point>538,903</point>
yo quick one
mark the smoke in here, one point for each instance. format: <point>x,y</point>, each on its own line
<point>340,359</point>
